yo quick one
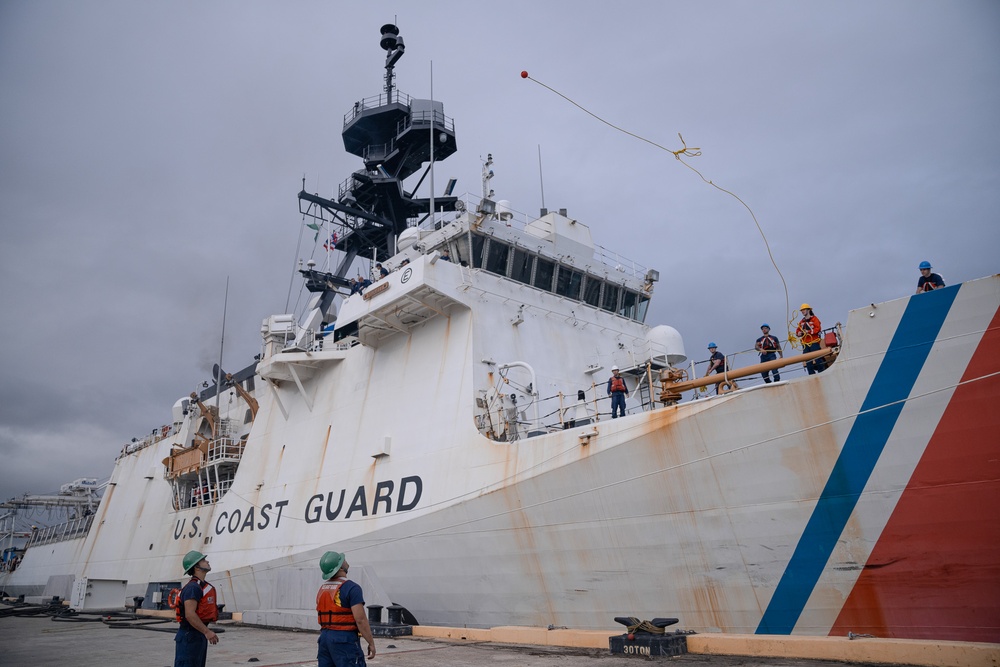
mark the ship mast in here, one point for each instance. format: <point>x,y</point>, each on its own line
<point>396,136</point>
<point>394,48</point>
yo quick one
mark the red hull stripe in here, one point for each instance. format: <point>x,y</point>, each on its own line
<point>935,571</point>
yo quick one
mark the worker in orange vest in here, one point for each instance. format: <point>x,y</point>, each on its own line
<point>618,393</point>
<point>197,606</point>
<point>340,608</point>
<point>809,331</point>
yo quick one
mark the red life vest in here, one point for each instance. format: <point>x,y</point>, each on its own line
<point>809,329</point>
<point>617,384</point>
<point>207,611</point>
<point>331,614</point>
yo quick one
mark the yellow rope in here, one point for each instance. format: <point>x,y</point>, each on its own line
<point>685,152</point>
<point>793,340</point>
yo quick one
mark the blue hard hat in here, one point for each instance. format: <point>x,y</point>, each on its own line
<point>711,345</point>
<point>925,265</point>
<point>765,325</point>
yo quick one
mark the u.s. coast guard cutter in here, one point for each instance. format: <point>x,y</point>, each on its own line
<point>448,427</point>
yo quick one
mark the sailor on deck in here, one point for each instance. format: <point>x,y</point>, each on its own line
<point>769,348</point>
<point>928,281</point>
<point>716,363</point>
<point>809,331</point>
<point>618,393</point>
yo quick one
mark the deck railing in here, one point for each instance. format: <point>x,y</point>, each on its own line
<point>64,531</point>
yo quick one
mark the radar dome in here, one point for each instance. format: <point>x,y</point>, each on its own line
<point>666,345</point>
<point>406,240</point>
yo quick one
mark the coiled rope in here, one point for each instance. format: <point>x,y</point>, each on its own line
<point>643,626</point>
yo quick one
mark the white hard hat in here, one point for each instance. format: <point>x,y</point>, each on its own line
<point>614,368</point>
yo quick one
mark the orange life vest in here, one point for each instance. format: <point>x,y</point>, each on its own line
<point>809,330</point>
<point>207,611</point>
<point>617,384</point>
<point>332,615</point>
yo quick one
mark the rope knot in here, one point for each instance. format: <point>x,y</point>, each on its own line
<point>686,152</point>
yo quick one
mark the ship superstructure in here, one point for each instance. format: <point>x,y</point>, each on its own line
<point>448,426</point>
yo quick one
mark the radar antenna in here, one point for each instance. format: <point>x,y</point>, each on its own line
<point>394,48</point>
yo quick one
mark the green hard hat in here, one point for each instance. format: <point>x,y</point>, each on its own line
<point>191,559</point>
<point>330,563</point>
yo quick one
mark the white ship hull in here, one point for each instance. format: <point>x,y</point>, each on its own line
<point>703,510</point>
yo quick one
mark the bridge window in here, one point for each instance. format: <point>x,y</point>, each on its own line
<point>503,259</point>
<point>568,283</point>
<point>496,257</point>
<point>629,301</point>
<point>610,302</point>
<point>592,292</point>
<point>643,307</point>
<point>478,242</point>
<point>520,270</point>
<point>544,272</point>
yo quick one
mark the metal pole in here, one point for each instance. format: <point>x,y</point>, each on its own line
<point>222,346</point>
<point>541,183</point>
<point>432,146</point>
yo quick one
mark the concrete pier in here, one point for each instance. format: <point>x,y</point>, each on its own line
<point>42,641</point>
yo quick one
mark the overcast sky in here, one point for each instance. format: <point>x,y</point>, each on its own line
<point>150,150</point>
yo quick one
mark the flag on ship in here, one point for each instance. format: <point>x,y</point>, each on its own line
<point>313,226</point>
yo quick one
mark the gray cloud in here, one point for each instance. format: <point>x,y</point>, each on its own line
<point>148,152</point>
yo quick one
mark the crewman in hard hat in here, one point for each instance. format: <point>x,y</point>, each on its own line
<point>928,281</point>
<point>618,392</point>
<point>769,349</point>
<point>196,608</point>
<point>808,332</point>
<point>716,363</point>
<point>340,606</point>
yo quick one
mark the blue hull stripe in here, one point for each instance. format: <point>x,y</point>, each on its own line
<point>917,330</point>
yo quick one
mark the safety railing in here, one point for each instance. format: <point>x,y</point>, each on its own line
<point>60,532</point>
<point>138,444</point>
<point>425,118</point>
<point>225,448</point>
<point>374,102</point>
<point>501,421</point>
<point>205,493</point>
<point>742,358</point>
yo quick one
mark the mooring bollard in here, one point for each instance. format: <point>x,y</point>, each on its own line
<point>374,614</point>
<point>395,627</point>
<point>395,614</point>
<point>648,638</point>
